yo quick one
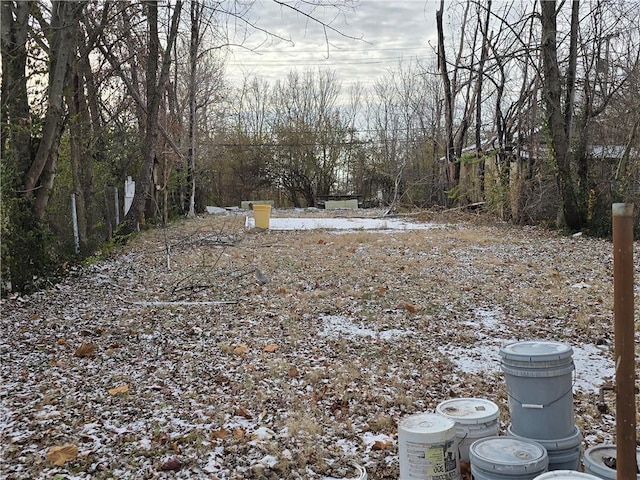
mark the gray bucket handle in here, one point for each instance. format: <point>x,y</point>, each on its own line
<point>537,405</point>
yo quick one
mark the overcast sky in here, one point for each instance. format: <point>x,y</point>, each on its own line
<point>373,37</point>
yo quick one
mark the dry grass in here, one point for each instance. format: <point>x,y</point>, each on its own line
<point>204,387</point>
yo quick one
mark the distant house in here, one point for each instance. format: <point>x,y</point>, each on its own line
<point>499,176</point>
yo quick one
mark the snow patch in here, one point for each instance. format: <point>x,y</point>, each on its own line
<point>593,365</point>
<point>342,224</point>
<point>337,326</point>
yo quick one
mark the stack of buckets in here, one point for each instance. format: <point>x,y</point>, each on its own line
<point>433,446</point>
<point>539,376</point>
<point>542,436</point>
<point>428,448</point>
<point>474,418</point>
<point>597,461</point>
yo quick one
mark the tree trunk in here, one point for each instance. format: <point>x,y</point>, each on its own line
<point>196,13</point>
<point>48,176</point>
<point>155,90</point>
<point>559,131</point>
<point>453,170</point>
<point>483,58</point>
<point>64,16</point>
<point>14,107</point>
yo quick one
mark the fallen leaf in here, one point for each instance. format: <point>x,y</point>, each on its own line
<point>293,372</point>
<point>61,454</point>
<point>272,347</point>
<point>85,350</point>
<point>242,412</point>
<point>222,433</point>
<point>118,390</point>
<point>411,307</point>
<point>241,349</point>
<point>61,341</point>
<point>465,470</point>
<point>381,444</point>
<point>238,433</point>
<point>173,464</point>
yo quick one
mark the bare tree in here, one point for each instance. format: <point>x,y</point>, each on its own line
<point>64,19</point>
<point>156,80</point>
<point>310,133</point>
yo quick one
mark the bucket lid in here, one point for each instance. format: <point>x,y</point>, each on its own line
<point>428,423</point>
<point>565,443</point>
<point>566,475</point>
<point>470,411</point>
<point>536,351</point>
<point>594,460</point>
<point>508,455</point>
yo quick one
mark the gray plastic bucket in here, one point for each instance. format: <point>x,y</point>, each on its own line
<point>566,475</point>
<point>474,417</point>
<point>428,448</point>
<point>564,453</point>
<point>539,377</point>
<point>507,458</point>
<point>594,461</point>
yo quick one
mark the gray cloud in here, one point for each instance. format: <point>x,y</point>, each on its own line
<point>370,39</point>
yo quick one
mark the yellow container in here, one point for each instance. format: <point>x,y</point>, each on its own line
<point>261,214</point>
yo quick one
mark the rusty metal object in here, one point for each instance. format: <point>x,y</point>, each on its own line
<point>624,340</point>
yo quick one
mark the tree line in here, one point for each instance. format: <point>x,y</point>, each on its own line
<point>530,109</point>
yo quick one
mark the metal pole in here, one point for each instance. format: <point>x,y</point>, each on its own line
<point>74,217</point>
<point>624,341</point>
<point>117,205</point>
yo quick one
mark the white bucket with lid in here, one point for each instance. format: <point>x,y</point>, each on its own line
<point>564,453</point>
<point>474,418</point>
<point>539,377</point>
<point>507,458</point>
<point>428,448</point>
<point>594,461</point>
<point>566,475</point>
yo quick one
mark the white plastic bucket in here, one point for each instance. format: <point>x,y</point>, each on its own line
<point>594,461</point>
<point>564,453</point>
<point>474,418</point>
<point>540,388</point>
<point>507,458</point>
<point>428,448</point>
<point>566,475</point>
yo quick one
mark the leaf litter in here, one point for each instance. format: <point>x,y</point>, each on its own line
<point>212,350</point>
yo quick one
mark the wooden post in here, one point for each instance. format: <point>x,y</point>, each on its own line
<point>624,330</point>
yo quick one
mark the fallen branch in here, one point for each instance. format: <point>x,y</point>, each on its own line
<point>462,207</point>
<point>182,303</point>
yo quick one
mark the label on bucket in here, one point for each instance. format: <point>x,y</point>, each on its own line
<point>432,461</point>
